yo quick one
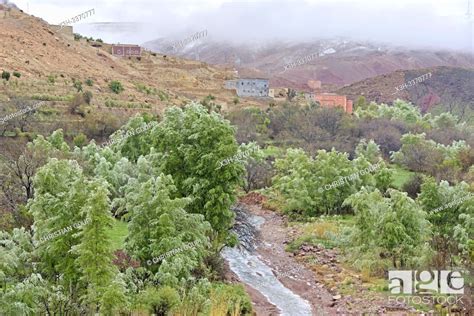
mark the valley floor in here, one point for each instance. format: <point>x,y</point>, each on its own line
<point>304,280</point>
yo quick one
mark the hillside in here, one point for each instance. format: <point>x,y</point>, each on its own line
<point>332,61</point>
<point>49,62</point>
<point>448,89</point>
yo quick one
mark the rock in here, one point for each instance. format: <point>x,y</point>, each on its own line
<point>336,297</point>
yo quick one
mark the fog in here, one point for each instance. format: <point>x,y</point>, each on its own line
<point>417,23</point>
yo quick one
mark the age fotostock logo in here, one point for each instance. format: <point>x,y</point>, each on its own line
<point>425,282</point>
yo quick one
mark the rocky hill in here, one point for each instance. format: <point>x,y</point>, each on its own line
<point>49,61</point>
<point>447,89</point>
<point>55,68</point>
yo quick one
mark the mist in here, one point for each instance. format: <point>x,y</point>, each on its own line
<point>413,24</point>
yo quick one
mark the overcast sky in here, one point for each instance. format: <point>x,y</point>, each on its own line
<point>415,23</point>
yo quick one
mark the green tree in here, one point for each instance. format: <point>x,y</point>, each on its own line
<point>60,196</point>
<point>94,251</point>
<point>370,150</point>
<point>193,143</point>
<point>162,236</point>
<point>361,102</point>
<point>449,209</point>
<point>392,227</point>
<point>320,185</point>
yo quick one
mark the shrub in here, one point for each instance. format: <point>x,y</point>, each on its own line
<point>87,97</point>
<point>160,301</point>
<point>229,300</point>
<point>392,228</point>
<point>17,74</point>
<point>89,82</point>
<point>78,85</point>
<point>163,96</point>
<point>6,75</point>
<point>51,79</point>
<point>77,36</point>
<point>116,86</point>
<point>80,140</point>
<point>74,105</point>
<point>413,185</point>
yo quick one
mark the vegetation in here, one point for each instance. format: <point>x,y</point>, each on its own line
<point>151,176</point>
<point>5,75</point>
<point>137,224</point>
<point>116,86</point>
<point>77,85</point>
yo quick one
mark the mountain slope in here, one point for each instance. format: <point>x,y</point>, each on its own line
<point>446,89</point>
<point>337,61</point>
<point>32,47</point>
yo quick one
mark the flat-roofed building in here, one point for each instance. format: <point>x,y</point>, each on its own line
<point>126,50</point>
<point>332,100</point>
<point>249,87</point>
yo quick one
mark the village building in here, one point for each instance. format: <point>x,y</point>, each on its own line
<point>332,100</point>
<point>314,84</point>
<point>126,50</point>
<point>249,87</point>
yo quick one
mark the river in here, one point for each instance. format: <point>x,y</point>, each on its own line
<point>244,261</point>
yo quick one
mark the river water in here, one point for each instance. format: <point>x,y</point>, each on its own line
<point>244,261</point>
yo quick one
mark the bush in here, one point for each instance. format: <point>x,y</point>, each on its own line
<point>80,140</point>
<point>87,97</point>
<point>6,75</point>
<point>74,106</point>
<point>78,85</point>
<point>413,185</point>
<point>116,86</point>
<point>51,79</point>
<point>17,74</point>
<point>229,300</point>
<point>160,301</point>
<point>89,82</point>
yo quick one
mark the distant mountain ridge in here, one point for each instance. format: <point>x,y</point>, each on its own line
<point>339,61</point>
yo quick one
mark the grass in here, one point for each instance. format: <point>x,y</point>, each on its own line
<point>400,176</point>
<point>273,151</point>
<point>321,232</point>
<point>118,233</point>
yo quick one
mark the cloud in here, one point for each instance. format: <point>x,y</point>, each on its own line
<point>420,23</point>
